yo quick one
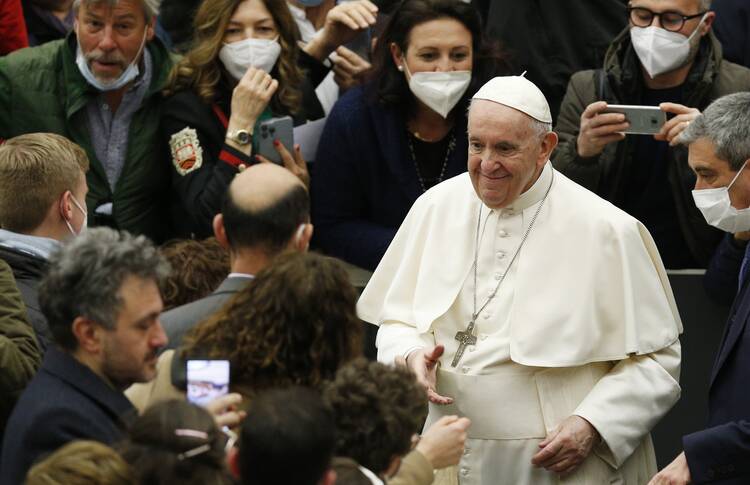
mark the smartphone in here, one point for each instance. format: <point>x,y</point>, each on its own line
<point>276,129</point>
<point>644,120</point>
<point>207,380</point>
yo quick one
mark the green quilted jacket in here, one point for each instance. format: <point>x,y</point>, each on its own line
<point>41,90</point>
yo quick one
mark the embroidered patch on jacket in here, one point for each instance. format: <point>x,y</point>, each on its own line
<point>187,154</point>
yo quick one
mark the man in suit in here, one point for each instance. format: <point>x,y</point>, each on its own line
<point>719,154</point>
<point>266,212</point>
<point>101,299</point>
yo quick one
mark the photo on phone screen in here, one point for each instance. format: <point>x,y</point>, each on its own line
<point>207,380</point>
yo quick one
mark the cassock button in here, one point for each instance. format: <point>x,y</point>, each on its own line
<point>502,233</point>
<point>483,337</point>
<point>500,254</point>
<point>498,276</point>
<point>465,369</point>
<point>464,471</point>
<point>486,316</point>
<point>467,451</point>
<point>472,348</point>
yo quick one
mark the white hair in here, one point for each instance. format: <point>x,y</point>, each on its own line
<point>150,7</point>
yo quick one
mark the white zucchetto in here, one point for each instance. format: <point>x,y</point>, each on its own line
<point>518,93</point>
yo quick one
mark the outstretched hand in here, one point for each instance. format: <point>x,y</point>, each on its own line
<point>424,363</point>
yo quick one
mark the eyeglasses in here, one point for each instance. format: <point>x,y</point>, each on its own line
<point>672,21</point>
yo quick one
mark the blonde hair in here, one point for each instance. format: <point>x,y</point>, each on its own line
<point>82,463</point>
<point>35,170</point>
<point>201,70</point>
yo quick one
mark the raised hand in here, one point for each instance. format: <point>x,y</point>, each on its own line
<point>599,129</point>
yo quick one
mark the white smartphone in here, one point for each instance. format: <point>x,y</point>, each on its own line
<point>207,380</point>
<point>644,120</point>
<point>281,129</point>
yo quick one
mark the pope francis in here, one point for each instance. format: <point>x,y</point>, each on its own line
<point>531,306</point>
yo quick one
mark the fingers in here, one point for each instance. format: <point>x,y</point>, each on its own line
<point>547,455</point>
<point>550,436</point>
<point>676,108</point>
<point>436,398</point>
<point>222,403</point>
<point>230,419</point>
<point>594,109</point>
<point>262,159</point>
<point>434,355</point>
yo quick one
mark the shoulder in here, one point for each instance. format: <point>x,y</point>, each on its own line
<point>732,78</point>
<point>589,208</point>
<point>45,56</point>
<point>186,103</point>
<point>352,107</point>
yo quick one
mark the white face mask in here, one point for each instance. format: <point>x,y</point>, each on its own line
<point>85,218</point>
<point>439,90</point>
<point>716,207</point>
<point>130,73</point>
<point>238,56</point>
<point>660,50</point>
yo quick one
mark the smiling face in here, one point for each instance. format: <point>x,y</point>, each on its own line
<point>506,155</point>
<point>111,37</point>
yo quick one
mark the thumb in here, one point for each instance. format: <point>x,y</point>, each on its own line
<point>435,353</point>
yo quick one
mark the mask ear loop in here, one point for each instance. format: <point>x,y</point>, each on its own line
<point>737,175</point>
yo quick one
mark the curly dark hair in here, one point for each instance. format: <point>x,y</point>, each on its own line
<point>377,408</point>
<point>198,268</point>
<point>388,84</point>
<point>155,448</point>
<point>294,324</point>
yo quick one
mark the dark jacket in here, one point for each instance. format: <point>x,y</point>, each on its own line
<point>721,280</point>
<point>732,27</point>
<point>41,90</point>
<point>721,452</point>
<point>41,30</point>
<point>621,82</point>
<point>64,402</point>
<point>365,180</point>
<point>28,271</point>
<point>178,321</point>
<point>19,353</point>
<point>197,195</point>
<point>552,39</point>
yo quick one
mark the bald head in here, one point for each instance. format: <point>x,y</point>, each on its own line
<point>261,186</point>
<point>264,208</point>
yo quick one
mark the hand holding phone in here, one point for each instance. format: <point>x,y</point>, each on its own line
<point>598,129</point>
<point>642,120</point>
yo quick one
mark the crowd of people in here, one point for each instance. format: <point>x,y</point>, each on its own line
<point>160,208</point>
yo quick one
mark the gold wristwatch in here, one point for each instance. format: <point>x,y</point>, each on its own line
<point>240,137</point>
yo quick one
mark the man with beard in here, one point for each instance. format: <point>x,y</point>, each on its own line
<point>101,88</point>
<point>102,302</point>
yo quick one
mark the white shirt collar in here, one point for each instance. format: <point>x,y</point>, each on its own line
<point>533,195</point>
<point>369,474</point>
<point>241,275</point>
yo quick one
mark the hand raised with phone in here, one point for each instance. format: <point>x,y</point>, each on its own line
<point>250,97</point>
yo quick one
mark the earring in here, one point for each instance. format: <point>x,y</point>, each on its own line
<point>400,68</point>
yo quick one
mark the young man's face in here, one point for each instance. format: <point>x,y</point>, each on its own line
<point>130,350</point>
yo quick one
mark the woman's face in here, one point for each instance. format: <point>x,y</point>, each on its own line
<point>437,45</point>
<point>251,20</point>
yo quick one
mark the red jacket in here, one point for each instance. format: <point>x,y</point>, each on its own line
<point>12,27</point>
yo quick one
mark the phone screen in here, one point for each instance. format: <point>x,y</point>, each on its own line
<point>207,380</point>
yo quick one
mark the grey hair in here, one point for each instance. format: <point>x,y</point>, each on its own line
<point>726,124</point>
<point>85,277</point>
<point>150,7</point>
<point>705,4</point>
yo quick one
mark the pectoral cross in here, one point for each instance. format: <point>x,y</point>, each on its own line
<point>464,338</point>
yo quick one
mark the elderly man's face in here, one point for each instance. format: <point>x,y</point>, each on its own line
<point>111,37</point>
<point>712,173</point>
<point>129,352</point>
<point>505,155</point>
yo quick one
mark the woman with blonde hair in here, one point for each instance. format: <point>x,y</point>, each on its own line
<point>246,66</point>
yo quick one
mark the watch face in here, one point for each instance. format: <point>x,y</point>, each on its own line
<point>243,137</point>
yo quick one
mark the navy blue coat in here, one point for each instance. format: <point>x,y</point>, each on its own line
<point>364,179</point>
<point>721,453</point>
<point>65,401</point>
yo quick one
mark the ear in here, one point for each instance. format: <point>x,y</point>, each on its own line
<point>66,205</point>
<point>233,461</point>
<point>220,231</point>
<point>88,334</point>
<point>392,469</point>
<point>151,29</point>
<point>707,23</point>
<point>329,478</point>
<point>398,56</point>
<point>305,236</point>
<point>549,142</point>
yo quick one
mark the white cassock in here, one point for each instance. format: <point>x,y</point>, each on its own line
<point>584,323</point>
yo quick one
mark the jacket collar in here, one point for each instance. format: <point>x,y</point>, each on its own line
<point>232,285</point>
<point>66,368</point>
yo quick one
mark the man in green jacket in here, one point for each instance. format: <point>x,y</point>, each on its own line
<point>666,57</point>
<point>100,87</point>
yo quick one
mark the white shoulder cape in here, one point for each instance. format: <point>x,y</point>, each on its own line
<point>590,284</point>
